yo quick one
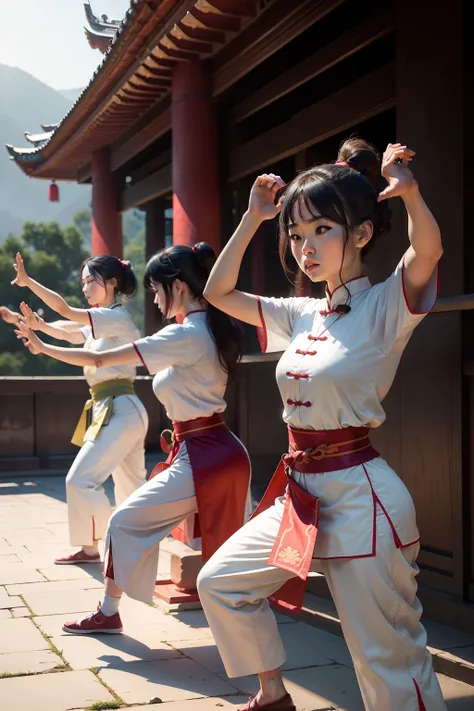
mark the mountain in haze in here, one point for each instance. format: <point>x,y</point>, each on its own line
<point>26,103</point>
<point>72,94</point>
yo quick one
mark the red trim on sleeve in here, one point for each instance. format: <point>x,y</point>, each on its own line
<point>91,323</point>
<point>140,355</point>
<point>419,313</point>
<point>262,330</point>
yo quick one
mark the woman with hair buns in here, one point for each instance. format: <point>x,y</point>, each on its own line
<point>208,469</point>
<point>333,498</point>
<point>113,425</point>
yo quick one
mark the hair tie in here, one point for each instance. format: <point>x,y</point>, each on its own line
<point>343,162</point>
<point>198,258</point>
<point>124,264</point>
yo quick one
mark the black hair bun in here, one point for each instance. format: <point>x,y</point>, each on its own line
<point>205,255</point>
<point>361,156</point>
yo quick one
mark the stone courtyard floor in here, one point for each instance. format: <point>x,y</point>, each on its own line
<point>160,658</point>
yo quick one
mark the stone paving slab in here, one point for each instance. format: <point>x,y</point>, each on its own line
<point>56,586</point>
<point>7,601</point>
<point>5,614</point>
<point>50,603</point>
<point>20,636</point>
<point>38,534</point>
<point>176,680</point>
<point>312,689</point>
<point>20,612</point>
<point>18,573</point>
<point>72,572</point>
<point>8,558</point>
<point>29,662</point>
<point>52,692</point>
<point>210,704</point>
<point>84,652</point>
<point>4,546</point>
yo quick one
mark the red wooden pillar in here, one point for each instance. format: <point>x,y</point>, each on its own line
<point>196,199</point>
<point>106,219</point>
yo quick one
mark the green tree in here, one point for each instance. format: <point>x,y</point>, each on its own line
<point>53,255</point>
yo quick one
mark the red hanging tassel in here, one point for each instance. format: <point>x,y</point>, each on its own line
<point>53,192</point>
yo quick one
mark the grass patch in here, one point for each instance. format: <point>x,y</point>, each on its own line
<point>117,703</point>
<point>32,614</point>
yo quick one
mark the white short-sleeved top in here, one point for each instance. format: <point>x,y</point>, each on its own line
<point>189,380</point>
<point>336,369</point>
<point>109,328</point>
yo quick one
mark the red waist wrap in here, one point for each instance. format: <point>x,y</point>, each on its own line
<point>221,475</point>
<point>309,452</point>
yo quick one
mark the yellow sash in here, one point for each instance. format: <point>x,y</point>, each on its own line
<point>102,392</point>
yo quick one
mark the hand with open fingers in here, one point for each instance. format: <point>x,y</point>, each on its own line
<point>8,315</point>
<point>263,195</point>
<point>22,277</point>
<point>396,171</point>
<point>29,338</point>
<point>31,318</point>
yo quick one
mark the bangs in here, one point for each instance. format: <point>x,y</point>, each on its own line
<point>319,197</point>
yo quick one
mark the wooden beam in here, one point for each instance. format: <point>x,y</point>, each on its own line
<point>149,188</point>
<point>355,103</point>
<point>352,41</point>
<point>151,166</point>
<point>270,32</point>
<point>84,174</point>
<point>149,128</point>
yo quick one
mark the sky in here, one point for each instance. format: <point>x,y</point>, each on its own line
<point>46,38</point>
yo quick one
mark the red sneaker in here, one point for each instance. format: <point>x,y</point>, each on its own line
<point>95,623</point>
<point>78,558</point>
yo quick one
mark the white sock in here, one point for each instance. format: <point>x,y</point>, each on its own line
<point>91,550</point>
<point>110,605</point>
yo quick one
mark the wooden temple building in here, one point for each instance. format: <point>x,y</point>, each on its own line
<point>192,99</point>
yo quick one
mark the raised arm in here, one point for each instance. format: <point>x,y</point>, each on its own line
<point>425,248</point>
<point>220,288</point>
<point>50,297</point>
<point>69,331</point>
<point>78,356</point>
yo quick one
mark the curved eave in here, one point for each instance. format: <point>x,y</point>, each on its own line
<point>36,138</point>
<point>135,75</point>
<point>101,43</point>
<point>97,23</point>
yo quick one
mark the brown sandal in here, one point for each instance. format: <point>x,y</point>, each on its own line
<point>284,704</point>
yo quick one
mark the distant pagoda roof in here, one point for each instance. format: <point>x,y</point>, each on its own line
<point>100,31</point>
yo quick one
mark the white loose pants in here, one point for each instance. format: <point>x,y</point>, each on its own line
<point>118,450</point>
<point>138,526</point>
<point>375,598</point>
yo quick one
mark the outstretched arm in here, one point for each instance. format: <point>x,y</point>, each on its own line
<point>220,288</point>
<point>69,331</point>
<point>425,248</point>
<point>78,356</point>
<point>50,297</point>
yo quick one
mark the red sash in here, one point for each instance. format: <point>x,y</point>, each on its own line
<point>310,452</point>
<point>221,474</point>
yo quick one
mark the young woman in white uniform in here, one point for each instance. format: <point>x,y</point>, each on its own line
<point>208,470</point>
<point>113,425</point>
<point>343,504</point>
